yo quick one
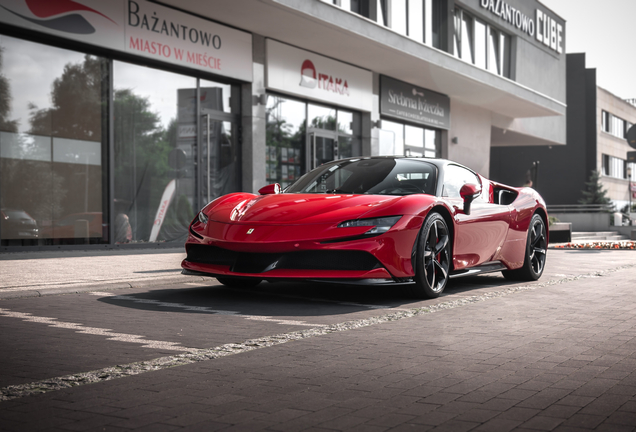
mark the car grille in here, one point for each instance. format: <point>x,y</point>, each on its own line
<point>244,262</point>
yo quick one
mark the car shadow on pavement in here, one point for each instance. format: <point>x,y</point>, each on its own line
<point>295,298</point>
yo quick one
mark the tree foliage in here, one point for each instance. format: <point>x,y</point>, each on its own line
<point>594,192</point>
<point>6,125</point>
<point>78,103</point>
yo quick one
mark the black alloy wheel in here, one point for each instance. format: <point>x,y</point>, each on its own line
<point>433,258</point>
<point>536,253</point>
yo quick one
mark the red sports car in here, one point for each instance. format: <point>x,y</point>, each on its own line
<point>373,220</point>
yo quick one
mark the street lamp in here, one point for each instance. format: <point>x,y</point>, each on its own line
<point>629,188</point>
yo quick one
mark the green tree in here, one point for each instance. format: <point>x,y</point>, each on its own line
<point>6,125</point>
<point>142,146</point>
<point>594,192</point>
<point>78,102</point>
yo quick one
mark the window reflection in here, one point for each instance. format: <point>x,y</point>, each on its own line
<point>154,122</point>
<point>397,139</point>
<point>321,117</point>
<point>285,151</point>
<point>53,107</point>
<point>290,137</point>
<point>393,139</point>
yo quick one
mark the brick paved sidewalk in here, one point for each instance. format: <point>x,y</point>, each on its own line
<point>29,274</point>
<point>558,357</point>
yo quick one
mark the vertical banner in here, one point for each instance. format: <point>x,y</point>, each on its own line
<point>168,193</point>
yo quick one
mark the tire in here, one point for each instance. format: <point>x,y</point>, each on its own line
<point>536,250</point>
<point>232,282</point>
<point>433,258</point>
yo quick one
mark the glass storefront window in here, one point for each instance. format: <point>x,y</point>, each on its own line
<point>431,142</point>
<point>413,141</point>
<point>215,96</point>
<point>166,168</point>
<point>392,139</point>
<point>150,106</point>
<point>53,136</point>
<point>285,151</point>
<point>321,117</point>
<point>349,124</point>
<point>397,139</point>
<point>297,142</point>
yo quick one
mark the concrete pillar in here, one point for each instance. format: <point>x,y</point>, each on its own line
<point>471,129</point>
<point>253,122</point>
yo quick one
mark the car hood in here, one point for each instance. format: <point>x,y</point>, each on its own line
<point>301,208</point>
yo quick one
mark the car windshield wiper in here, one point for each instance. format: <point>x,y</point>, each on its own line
<point>335,191</point>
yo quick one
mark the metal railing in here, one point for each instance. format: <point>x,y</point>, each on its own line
<point>581,208</point>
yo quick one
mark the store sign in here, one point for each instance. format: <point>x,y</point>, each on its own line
<point>407,102</point>
<point>302,73</point>
<point>543,27</point>
<point>141,28</point>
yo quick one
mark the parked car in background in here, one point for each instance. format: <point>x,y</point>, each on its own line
<point>17,224</point>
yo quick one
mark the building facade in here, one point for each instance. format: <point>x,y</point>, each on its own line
<point>597,125</point>
<point>120,119</point>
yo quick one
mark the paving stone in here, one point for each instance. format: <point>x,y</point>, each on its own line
<point>550,363</point>
<point>543,423</point>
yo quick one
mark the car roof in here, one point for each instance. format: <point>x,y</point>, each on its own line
<point>438,162</point>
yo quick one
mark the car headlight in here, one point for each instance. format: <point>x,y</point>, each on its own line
<point>203,218</point>
<point>380,225</point>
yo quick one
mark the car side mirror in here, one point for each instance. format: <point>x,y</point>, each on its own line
<point>270,189</point>
<point>469,192</point>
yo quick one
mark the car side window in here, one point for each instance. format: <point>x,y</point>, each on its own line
<point>454,178</point>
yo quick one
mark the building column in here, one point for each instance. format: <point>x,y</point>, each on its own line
<point>253,124</point>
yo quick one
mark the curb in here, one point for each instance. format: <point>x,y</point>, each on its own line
<point>8,294</point>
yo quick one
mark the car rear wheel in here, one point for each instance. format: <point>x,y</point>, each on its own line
<point>536,248</point>
<point>433,258</point>
<point>239,282</point>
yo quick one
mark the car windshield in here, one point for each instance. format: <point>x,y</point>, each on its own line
<point>384,176</point>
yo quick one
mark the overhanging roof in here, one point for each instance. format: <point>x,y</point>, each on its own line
<point>327,30</point>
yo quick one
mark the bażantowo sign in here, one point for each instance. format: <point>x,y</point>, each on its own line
<point>405,101</point>
<point>141,28</point>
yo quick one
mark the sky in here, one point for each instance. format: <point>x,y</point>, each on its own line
<point>606,32</point>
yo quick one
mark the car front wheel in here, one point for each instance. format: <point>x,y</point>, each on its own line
<point>433,258</point>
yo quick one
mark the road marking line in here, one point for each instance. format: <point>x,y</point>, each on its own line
<point>204,309</point>
<point>108,333</point>
<point>137,368</point>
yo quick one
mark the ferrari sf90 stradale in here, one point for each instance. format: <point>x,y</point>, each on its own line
<point>373,220</point>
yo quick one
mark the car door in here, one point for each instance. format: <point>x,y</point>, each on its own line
<point>479,235</point>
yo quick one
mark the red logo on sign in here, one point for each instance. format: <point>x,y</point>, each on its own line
<point>311,79</point>
<point>43,10</point>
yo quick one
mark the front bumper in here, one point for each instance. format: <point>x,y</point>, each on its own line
<point>294,252</point>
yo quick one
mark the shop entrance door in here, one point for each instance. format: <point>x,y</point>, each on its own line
<point>322,146</point>
<point>217,162</point>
